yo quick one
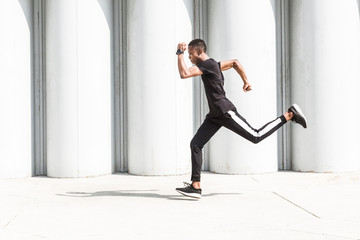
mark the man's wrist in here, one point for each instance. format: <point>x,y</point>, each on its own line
<point>179,51</point>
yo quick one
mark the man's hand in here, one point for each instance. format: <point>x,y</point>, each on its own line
<point>184,71</point>
<point>182,46</point>
<point>247,86</point>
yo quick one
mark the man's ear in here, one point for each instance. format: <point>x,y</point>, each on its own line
<point>199,51</point>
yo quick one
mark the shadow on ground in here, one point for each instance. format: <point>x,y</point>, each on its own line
<point>137,194</point>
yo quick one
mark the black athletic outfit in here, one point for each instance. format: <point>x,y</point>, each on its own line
<point>222,113</point>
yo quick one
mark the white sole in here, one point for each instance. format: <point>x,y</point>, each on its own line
<point>299,111</point>
<point>192,195</point>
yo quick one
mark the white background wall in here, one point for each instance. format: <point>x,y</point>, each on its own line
<point>245,30</point>
<point>79,77</point>
<point>15,88</point>
<point>324,56</point>
<point>159,102</point>
<point>325,82</point>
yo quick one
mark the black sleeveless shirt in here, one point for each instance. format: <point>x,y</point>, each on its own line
<point>213,80</point>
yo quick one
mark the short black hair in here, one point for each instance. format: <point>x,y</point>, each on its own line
<point>199,44</point>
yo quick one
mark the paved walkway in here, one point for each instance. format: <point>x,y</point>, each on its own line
<point>282,205</point>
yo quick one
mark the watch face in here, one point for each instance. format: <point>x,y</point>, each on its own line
<point>179,52</point>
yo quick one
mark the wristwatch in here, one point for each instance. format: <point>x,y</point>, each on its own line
<point>179,51</point>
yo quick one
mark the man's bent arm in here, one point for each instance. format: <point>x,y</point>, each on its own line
<point>226,65</point>
<point>186,72</point>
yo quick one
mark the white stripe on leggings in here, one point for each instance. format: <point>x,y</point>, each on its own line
<point>250,130</point>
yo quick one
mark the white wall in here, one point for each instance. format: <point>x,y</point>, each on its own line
<point>159,102</point>
<point>79,77</point>
<point>325,82</point>
<point>15,87</point>
<point>324,56</point>
<point>245,30</point>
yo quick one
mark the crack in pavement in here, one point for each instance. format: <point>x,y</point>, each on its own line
<point>296,205</point>
<point>12,219</point>
<point>255,179</point>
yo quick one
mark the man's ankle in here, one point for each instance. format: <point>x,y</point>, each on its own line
<point>288,116</point>
<point>196,185</point>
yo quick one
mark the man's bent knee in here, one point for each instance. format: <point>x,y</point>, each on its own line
<point>256,140</point>
<point>195,147</point>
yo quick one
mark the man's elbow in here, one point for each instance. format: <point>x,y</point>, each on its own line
<point>183,76</point>
<point>237,64</point>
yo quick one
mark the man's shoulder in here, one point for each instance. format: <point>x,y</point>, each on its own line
<point>208,62</point>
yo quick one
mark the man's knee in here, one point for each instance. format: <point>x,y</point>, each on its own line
<point>256,140</point>
<point>195,146</point>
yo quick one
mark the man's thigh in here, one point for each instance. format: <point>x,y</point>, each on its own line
<point>207,129</point>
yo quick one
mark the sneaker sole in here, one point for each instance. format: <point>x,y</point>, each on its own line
<point>192,195</point>
<point>297,108</point>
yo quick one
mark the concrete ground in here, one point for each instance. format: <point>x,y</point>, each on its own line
<point>282,205</point>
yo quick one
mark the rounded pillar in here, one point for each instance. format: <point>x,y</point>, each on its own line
<point>325,82</point>
<point>245,30</point>
<point>15,87</point>
<point>78,78</point>
<point>159,103</point>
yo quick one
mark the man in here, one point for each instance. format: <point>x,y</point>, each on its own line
<point>222,110</point>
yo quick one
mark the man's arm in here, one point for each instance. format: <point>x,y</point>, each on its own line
<point>226,65</point>
<point>184,71</point>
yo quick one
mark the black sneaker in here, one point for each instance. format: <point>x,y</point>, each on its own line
<point>299,117</point>
<point>189,191</point>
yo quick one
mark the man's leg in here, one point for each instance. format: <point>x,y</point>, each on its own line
<point>239,125</point>
<point>202,136</point>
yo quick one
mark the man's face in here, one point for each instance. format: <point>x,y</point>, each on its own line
<point>193,55</point>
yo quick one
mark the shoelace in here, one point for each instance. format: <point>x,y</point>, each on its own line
<point>186,184</point>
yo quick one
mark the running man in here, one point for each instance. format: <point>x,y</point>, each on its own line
<point>222,110</point>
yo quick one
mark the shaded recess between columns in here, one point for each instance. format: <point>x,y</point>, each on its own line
<point>199,98</point>
<point>119,88</point>
<point>39,90</point>
<point>283,81</point>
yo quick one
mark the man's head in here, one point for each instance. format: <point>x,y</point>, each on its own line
<point>198,44</point>
<point>196,48</point>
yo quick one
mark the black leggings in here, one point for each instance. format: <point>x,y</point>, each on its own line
<point>236,123</point>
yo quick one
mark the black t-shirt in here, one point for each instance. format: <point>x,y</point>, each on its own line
<point>213,80</point>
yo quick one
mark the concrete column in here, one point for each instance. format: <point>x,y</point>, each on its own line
<point>245,30</point>
<point>15,87</point>
<point>325,82</point>
<point>159,103</point>
<point>78,76</point>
